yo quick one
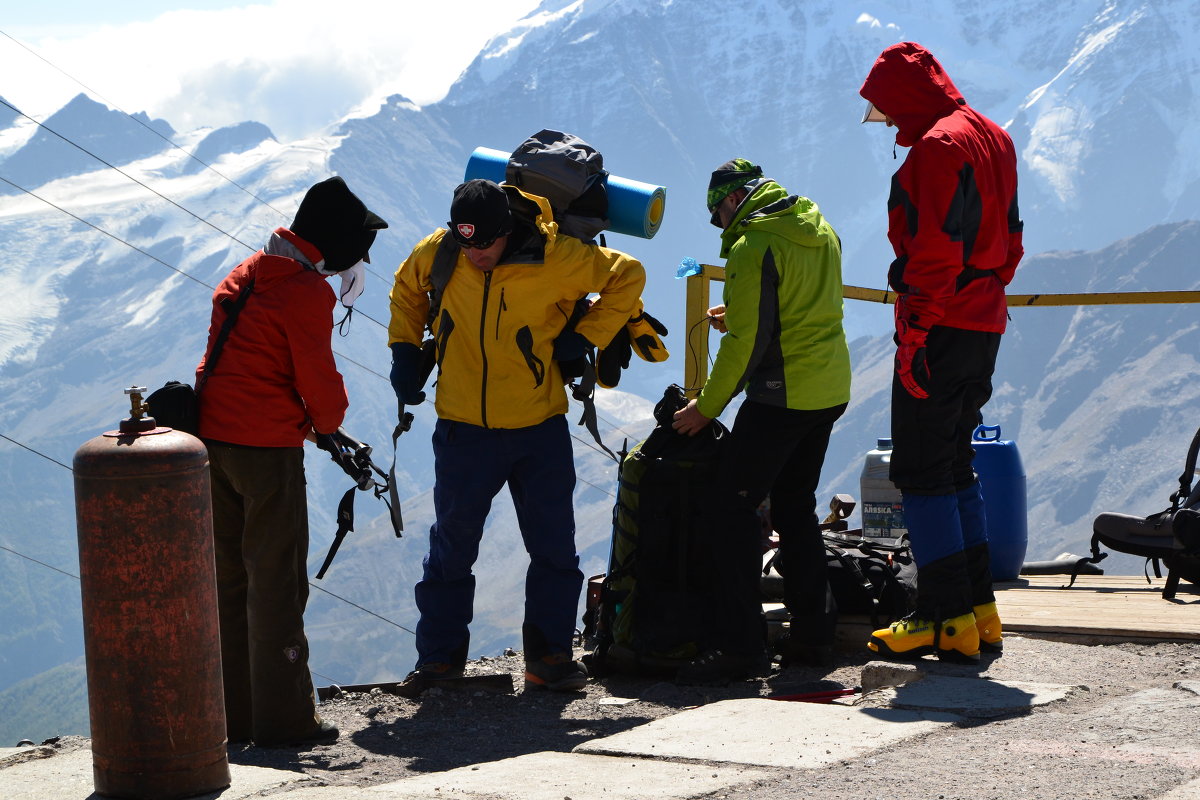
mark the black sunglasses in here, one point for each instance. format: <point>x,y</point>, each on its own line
<point>474,244</point>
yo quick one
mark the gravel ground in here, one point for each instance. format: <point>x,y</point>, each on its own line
<point>1074,745</point>
<point>1099,743</point>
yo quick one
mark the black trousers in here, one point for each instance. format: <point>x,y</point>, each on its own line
<point>931,438</point>
<point>780,452</point>
<point>260,528</point>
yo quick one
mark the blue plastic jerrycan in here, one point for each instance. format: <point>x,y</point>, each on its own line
<point>1002,480</point>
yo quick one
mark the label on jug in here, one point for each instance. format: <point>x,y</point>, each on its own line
<point>883,520</point>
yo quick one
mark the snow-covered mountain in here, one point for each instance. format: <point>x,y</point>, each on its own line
<point>1096,93</point>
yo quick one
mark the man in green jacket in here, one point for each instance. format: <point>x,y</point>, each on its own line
<point>784,344</point>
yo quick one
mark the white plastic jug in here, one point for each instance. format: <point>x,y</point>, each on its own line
<point>882,505</point>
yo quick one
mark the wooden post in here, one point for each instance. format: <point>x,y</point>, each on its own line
<point>695,366</point>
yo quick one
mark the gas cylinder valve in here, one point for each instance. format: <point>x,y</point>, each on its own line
<point>136,423</point>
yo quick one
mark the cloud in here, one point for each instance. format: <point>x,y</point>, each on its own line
<point>295,65</point>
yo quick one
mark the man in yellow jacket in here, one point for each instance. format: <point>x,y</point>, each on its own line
<point>501,406</point>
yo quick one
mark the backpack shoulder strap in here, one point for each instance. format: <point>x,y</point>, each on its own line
<point>232,309</point>
<point>585,393</point>
<point>1189,471</point>
<point>857,576</point>
<point>443,267</point>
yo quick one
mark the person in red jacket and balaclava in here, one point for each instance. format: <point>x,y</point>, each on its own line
<point>275,384</point>
<point>956,231</point>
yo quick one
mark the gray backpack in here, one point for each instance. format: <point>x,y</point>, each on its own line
<point>569,173</point>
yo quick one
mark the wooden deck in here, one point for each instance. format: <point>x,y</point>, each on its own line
<point>1099,608</point>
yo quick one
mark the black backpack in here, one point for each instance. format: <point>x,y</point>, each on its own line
<point>876,577</point>
<point>648,614</point>
<point>1171,536</point>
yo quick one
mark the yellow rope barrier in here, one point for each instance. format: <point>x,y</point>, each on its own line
<point>696,366</point>
<point>1019,300</point>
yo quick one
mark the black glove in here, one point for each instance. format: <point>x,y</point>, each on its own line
<point>406,373</point>
<point>570,345</point>
<point>613,358</point>
<point>326,442</point>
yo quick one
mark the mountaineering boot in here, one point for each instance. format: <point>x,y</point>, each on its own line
<point>954,639</point>
<point>324,733</point>
<point>983,598</point>
<point>987,622</point>
<point>796,652</point>
<point>943,623</point>
<point>717,668</point>
<point>557,672</point>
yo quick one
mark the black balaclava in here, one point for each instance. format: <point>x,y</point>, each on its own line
<point>336,222</point>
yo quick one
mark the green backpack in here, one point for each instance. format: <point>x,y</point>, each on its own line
<point>649,617</point>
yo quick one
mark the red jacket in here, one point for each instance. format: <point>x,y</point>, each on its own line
<point>952,214</point>
<point>275,378</point>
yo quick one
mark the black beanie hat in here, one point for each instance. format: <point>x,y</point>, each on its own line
<point>479,213</point>
<point>335,221</point>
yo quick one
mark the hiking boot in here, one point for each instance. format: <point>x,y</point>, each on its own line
<point>795,651</point>
<point>437,671</point>
<point>428,676</point>
<point>557,672</point>
<point>987,622</point>
<point>954,639</point>
<point>324,733</point>
<point>717,668</point>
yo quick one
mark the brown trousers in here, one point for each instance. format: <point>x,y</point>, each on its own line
<point>260,527</point>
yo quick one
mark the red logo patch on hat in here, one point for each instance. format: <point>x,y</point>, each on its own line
<point>466,230</point>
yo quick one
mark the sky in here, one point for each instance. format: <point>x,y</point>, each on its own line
<point>294,65</point>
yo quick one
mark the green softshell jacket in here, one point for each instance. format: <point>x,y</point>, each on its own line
<point>783,307</point>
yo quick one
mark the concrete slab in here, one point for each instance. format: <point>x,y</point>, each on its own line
<point>552,776</point>
<point>68,776</point>
<point>974,697</point>
<point>769,733</point>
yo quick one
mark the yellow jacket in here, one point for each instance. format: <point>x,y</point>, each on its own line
<point>496,329</point>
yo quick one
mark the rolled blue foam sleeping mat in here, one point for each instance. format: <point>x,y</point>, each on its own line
<point>634,208</point>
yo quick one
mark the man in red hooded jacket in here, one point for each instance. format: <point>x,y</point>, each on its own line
<point>273,385</point>
<point>956,231</point>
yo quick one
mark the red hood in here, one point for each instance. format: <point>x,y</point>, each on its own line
<point>909,85</point>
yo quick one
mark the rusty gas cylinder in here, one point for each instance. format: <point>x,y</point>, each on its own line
<point>151,631</point>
